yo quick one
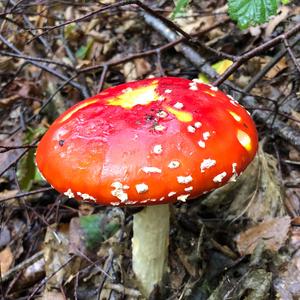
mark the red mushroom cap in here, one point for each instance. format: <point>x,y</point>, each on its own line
<point>152,141</point>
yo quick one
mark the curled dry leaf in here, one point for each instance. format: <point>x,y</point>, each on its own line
<point>273,233</point>
<point>256,194</point>
<point>281,16</point>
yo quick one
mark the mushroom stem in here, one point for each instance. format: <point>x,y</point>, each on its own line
<point>150,246</point>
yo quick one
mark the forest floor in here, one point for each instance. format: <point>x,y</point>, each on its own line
<point>241,241</point>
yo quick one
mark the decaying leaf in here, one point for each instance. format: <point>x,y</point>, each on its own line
<point>6,63</point>
<point>287,284</point>
<point>52,295</point>
<point>4,102</point>
<point>134,70</point>
<point>6,259</point>
<point>8,157</point>
<point>256,194</point>
<point>253,285</point>
<point>191,23</point>
<point>58,265</point>
<point>282,15</point>
<point>88,232</point>
<point>5,236</point>
<point>281,65</point>
<point>129,71</point>
<point>32,273</point>
<point>272,233</point>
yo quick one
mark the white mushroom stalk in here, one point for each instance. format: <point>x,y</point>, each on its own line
<point>150,246</point>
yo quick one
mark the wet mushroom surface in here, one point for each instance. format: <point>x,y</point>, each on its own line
<point>152,141</point>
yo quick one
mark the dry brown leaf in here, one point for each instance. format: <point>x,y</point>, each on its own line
<point>4,102</point>
<point>265,197</point>
<point>195,23</point>
<point>8,157</point>
<point>142,66</point>
<point>6,194</point>
<point>136,69</point>
<point>296,122</point>
<point>257,193</point>
<point>281,16</point>
<point>280,66</point>
<point>52,295</point>
<point>76,244</point>
<point>6,64</point>
<point>56,255</point>
<point>184,259</point>
<point>6,259</point>
<point>273,233</point>
<point>129,71</point>
<point>178,272</point>
<point>294,154</point>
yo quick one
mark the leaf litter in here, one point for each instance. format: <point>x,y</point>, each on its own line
<point>240,242</point>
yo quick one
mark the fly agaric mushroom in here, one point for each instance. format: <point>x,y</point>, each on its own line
<point>148,143</point>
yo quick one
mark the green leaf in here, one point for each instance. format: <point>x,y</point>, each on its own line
<point>27,171</point>
<point>251,12</point>
<point>83,51</point>
<point>180,5</point>
<point>97,229</point>
<point>69,29</point>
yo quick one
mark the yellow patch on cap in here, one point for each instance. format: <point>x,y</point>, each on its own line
<point>210,93</point>
<point>235,116</point>
<point>77,108</point>
<point>137,96</point>
<point>244,139</point>
<point>182,116</point>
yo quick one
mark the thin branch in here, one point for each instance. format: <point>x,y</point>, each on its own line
<point>47,69</point>
<point>25,194</point>
<point>38,59</point>
<point>294,59</point>
<point>111,6</point>
<point>254,52</point>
